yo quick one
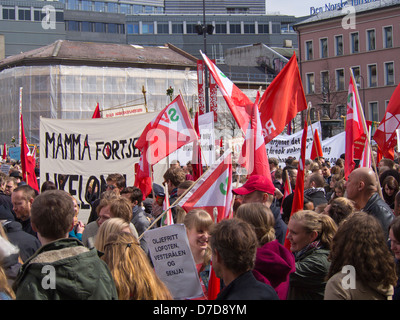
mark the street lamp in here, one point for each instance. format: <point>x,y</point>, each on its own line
<point>203,30</point>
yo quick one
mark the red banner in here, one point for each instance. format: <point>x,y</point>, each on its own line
<point>213,96</point>
<point>200,86</point>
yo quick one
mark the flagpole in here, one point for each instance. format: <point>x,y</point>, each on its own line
<point>312,130</point>
<point>361,112</point>
<point>173,205</point>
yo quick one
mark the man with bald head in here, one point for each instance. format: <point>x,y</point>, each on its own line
<point>361,187</point>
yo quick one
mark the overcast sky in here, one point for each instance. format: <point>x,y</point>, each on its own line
<point>296,8</point>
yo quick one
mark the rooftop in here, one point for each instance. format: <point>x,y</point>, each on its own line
<point>93,53</point>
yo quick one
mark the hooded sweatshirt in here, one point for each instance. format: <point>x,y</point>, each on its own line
<point>274,263</point>
<point>65,270</point>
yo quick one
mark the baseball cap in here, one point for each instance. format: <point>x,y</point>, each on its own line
<point>254,183</point>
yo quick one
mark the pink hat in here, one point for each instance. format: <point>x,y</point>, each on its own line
<point>260,183</point>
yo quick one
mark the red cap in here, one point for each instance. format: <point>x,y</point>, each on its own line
<point>254,183</point>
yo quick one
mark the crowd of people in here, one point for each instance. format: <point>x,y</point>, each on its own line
<point>344,244</point>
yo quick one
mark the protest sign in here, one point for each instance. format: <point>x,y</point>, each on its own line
<point>173,261</point>
<point>78,155</point>
<point>285,146</point>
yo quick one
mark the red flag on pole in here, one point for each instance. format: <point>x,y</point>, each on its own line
<point>5,151</point>
<point>28,162</point>
<point>385,135</point>
<point>282,100</point>
<point>354,128</point>
<point>96,113</point>
<point>239,104</point>
<point>253,156</point>
<point>316,150</point>
<point>298,198</point>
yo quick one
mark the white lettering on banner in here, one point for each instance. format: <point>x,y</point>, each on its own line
<point>173,261</point>
<point>285,146</point>
<point>269,127</point>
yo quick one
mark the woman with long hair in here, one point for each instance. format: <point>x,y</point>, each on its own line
<point>359,245</point>
<point>274,263</point>
<point>198,223</point>
<point>131,270</point>
<point>310,235</point>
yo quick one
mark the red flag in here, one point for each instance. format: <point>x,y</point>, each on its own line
<point>239,104</point>
<point>316,150</point>
<point>385,135</point>
<point>197,165</point>
<point>96,113</point>
<point>4,152</point>
<point>298,198</point>
<point>28,162</point>
<point>282,100</point>
<point>142,179</point>
<point>212,190</point>
<point>254,154</point>
<point>354,129</point>
<point>170,130</point>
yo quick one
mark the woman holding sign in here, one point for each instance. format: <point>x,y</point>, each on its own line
<point>198,223</point>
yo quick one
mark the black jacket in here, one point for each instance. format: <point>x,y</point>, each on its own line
<point>246,287</point>
<point>377,207</point>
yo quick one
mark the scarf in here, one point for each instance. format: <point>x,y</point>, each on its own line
<point>312,245</point>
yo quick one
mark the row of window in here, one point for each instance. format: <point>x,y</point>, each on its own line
<point>190,28</point>
<point>87,26</point>
<point>339,78</point>
<point>354,45</point>
<point>113,7</point>
<point>25,14</point>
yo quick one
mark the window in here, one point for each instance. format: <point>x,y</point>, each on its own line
<point>309,50</point>
<point>220,28</point>
<point>355,44</point>
<point>73,26</point>
<point>177,28</point>
<point>99,27</point>
<point>99,6</point>
<point>24,14</point>
<point>263,28</point>
<point>249,28</point>
<point>191,28</point>
<point>339,45</point>
<point>112,28</point>
<point>73,5</point>
<point>371,40</point>
<point>38,15</point>
<point>374,111</point>
<point>148,28</point>
<point>8,14</point>
<point>389,73</point>
<point>132,28</point>
<point>162,28</point>
<point>339,79</point>
<point>125,8</point>
<point>86,26</point>
<point>388,37</point>
<point>310,89</point>
<point>235,28</point>
<point>86,5</point>
<point>324,81</point>
<point>372,76</point>
<point>137,9</point>
<point>323,47</point>
<point>112,7</point>
<point>149,9</point>
<point>357,75</point>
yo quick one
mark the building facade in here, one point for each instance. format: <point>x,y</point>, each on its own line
<point>365,40</point>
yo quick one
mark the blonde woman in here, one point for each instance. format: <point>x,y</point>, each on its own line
<point>198,223</point>
<point>274,263</point>
<point>133,275</point>
<point>113,225</point>
<point>310,235</point>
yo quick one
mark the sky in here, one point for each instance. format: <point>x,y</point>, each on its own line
<point>296,8</point>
